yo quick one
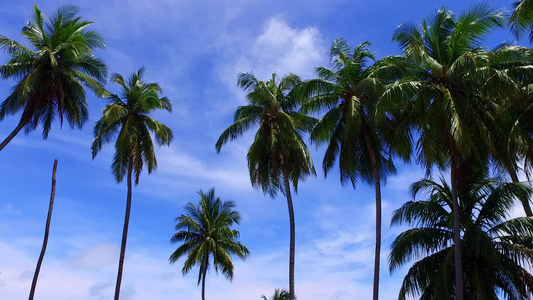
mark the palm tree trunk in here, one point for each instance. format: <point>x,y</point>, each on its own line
<point>377,254</point>
<point>46,232</point>
<point>292,244</point>
<point>13,134</point>
<point>525,201</point>
<point>377,185</point>
<point>125,230</point>
<point>457,231</point>
<point>203,276</point>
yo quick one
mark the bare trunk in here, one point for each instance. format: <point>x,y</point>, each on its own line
<point>203,277</point>
<point>292,244</point>
<point>377,185</point>
<point>457,231</point>
<point>525,201</point>
<point>377,253</point>
<point>125,230</point>
<point>46,231</point>
<point>17,129</point>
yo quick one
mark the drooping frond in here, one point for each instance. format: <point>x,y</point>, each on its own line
<point>127,119</point>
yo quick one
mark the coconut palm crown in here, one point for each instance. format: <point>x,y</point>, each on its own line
<point>496,250</point>
<point>207,236</point>
<point>126,118</point>
<point>51,74</point>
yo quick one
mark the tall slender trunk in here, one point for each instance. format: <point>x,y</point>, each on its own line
<point>125,230</point>
<point>292,244</point>
<point>457,231</point>
<point>525,201</point>
<point>203,276</point>
<point>46,232</point>
<point>17,129</point>
<point>377,185</point>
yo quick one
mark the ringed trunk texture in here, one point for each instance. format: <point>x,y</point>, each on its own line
<point>124,231</point>
<point>377,185</point>
<point>17,129</point>
<point>525,201</point>
<point>292,244</point>
<point>46,232</point>
<point>457,232</point>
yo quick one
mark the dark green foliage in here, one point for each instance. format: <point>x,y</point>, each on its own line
<point>52,73</point>
<point>496,251</point>
<point>207,236</point>
<point>126,118</point>
<point>278,146</point>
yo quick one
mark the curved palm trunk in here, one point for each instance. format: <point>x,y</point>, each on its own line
<point>292,244</point>
<point>125,230</point>
<point>525,201</point>
<point>17,129</point>
<point>46,232</point>
<point>457,231</point>
<point>377,185</point>
<point>203,276</point>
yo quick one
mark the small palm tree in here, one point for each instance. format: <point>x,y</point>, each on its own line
<point>51,74</point>
<point>207,235</point>
<point>278,157</point>
<point>358,134</point>
<point>496,251</point>
<point>126,118</point>
<point>279,294</point>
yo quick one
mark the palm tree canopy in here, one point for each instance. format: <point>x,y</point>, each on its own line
<point>51,73</point>
<point>278,147</point>
<point>451,83</point>
<point>279,294</point>
<point>127,118</point>
<point>205,231</point>
<point>349,93</point>
<point>496,251</point>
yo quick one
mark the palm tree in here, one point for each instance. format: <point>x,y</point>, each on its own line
<point>358,135</point>
<point>279,294</point>
<point>207,234</point>
<point>51,74</point>
<point>278,157</point>
<point>496,251</point>
<point>521,20</point>
<point>450,91</point>
<point>126,118</point>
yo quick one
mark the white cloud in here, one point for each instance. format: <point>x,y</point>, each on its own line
<point>97,257</point>
<point>278,48</point>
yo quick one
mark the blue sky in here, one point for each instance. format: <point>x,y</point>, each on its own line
<point>194,50</point>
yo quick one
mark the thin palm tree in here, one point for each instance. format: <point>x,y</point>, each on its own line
<point>127,118</point>
<point>279,294</point>
<point>51,74</point>
<point>207,235</point>
<point>46,233</point>
<point>358,134</point>
<point>450,91</point>
<point>496,251</point>
<point>278,156</point>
